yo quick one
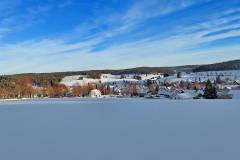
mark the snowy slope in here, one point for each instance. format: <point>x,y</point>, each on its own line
<point>232,75</point>
<point>77,80</point>
<point>105,78</point>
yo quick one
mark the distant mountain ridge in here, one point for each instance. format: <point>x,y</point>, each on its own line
<point>229,65</point>
<point>44,79</point>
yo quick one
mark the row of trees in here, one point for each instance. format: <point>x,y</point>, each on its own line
<point>22,87</point>
<point>25,87</point>
<point>19,88</point>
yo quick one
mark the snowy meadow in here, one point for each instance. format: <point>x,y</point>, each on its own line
<point>120,129</point>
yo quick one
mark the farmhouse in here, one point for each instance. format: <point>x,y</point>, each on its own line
<point>95,93</point>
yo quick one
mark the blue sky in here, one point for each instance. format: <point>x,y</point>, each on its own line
<point>67,35</point>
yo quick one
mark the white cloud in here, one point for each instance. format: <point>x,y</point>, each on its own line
<point>59,54</point>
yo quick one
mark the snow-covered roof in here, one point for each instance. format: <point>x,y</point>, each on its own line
<point>95,93</point>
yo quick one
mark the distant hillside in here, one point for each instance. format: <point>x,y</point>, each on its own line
<point>43,79</point>
<point>229,65</point>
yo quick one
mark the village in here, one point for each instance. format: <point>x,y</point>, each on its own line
<point>180,85</point>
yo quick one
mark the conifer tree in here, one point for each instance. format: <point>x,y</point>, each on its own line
<point>210,91</point>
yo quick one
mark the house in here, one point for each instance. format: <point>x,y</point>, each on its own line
<point>181,94</point>
<point>95,93</point>
<point>142,90</point>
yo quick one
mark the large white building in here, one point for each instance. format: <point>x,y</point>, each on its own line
<point>95,93</point>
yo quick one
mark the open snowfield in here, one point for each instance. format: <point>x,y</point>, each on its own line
<point>120,129</point>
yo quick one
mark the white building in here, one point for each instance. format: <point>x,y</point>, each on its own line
<point>95,93</point>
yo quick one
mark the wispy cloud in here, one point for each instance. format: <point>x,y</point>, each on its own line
<point>78,49</point>
<point>15,17</point>
<point>15,22</point>
<point>138,13</point>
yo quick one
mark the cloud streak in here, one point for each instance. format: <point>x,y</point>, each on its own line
<point>125,44</point>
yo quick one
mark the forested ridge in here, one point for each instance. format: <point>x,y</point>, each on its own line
<point>43,79</point>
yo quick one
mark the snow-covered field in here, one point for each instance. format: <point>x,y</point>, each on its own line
<point>105,78</point>
<point>120,129</point>
<point>233,75</point>
<point>78,80</point>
